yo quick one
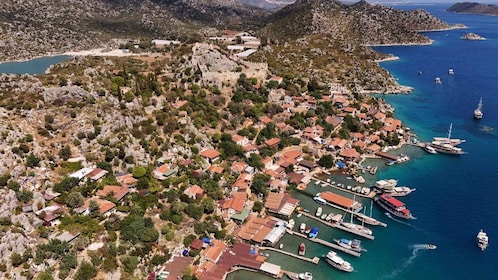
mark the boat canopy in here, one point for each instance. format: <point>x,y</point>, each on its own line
<point>393,201</point>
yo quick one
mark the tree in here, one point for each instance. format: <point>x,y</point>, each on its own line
<point>85,271</point>
<point>326,161</point>
<point>93,208</point>
<point>32,160</point>
<point>258,206</point>
<point>129,263</point>
<point>16,259</point>
<point>139,171</point>
<point>208,205</point>
<point>149,235</point>
<point>24,196</point>
<point>260,183</point>
<point>4,179</point>
<point>65,152</point>
<point>75,199</point>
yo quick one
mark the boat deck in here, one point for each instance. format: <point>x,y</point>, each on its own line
<point>338,226</point>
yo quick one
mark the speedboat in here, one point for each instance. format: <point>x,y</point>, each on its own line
<point>482,240</point>
<point>478,111</point>
<point>334,260</point>
<point>430,246</point>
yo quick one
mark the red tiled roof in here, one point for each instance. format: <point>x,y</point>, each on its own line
<point>234,203</point>
<point>104,205</point>
<point>118,191</point>
<point>273,142</point>
<point>210,153</point>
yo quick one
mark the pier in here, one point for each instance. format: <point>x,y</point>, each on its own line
<point>314,260</point>
<point>338,226</point>
<point>370,195</point>
<point>325,243</point>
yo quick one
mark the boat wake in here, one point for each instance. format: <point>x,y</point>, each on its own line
<point>400,221</point>
<point>405,263</point>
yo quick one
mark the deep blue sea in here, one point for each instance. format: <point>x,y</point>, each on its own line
<point>456,196</point>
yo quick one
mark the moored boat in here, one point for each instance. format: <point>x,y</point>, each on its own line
<point>482,240</point>
<point>318,211</point>
<point>302,227</point>
<point>313,232</point>
<point>394,206</point>
<point>319,200</point>
<point>401,191</point>
<point>302,249</point>
<point>336,261</point>
<point>354,245</point>
<point>300,276</point>
<point>305,276</point>
<point>428,148</point>
<point>448,139</point>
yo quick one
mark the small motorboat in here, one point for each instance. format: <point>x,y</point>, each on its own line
<point>430,246</point>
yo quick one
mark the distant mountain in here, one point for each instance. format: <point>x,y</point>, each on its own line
<point>360,22</point>
<point>39,27</point>
<point>474,8</point>
<point>268,4</point>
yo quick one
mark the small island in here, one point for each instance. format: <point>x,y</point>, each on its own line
<point>473,37</point>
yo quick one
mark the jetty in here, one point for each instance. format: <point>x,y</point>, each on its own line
<point>338,226</point>
<point>369,195</point>
<point>325,243</point>
<point>314,260</point>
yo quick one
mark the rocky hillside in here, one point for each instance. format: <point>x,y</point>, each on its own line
<point>360,22</point>
<point>474,8</point>
<point>78,24</point>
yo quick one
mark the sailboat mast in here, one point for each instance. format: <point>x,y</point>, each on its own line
<point>449,131</point>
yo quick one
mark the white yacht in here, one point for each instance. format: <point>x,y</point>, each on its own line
<point>482,240</point>
<point>334,260</point>
<point>437,80</point>
<point>451,72</point>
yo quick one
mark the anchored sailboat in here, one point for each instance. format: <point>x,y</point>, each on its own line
<point>478,110</point>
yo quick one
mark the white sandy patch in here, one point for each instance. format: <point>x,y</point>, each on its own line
<point>103,52</point>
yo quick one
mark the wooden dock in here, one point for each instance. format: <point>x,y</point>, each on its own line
<point>325,243</point>
<point>314,260</point>
<point>338,226</point>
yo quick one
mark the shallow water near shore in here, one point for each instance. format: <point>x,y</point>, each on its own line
<point>32,66</point>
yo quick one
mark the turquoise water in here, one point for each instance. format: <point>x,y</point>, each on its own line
<point>33,66</point>
<point>456,195</point>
